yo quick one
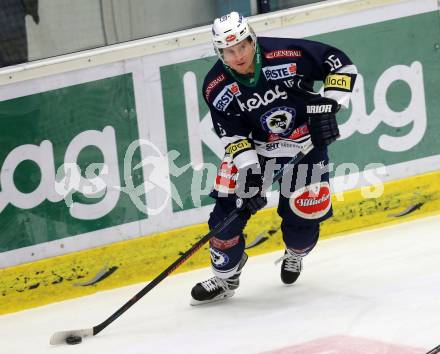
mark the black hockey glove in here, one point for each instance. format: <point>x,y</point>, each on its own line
<point>323,127</point>
<point>249,189</point>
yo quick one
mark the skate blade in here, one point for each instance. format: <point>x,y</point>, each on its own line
<point>220,297</point>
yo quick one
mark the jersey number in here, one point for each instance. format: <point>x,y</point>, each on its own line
<point>333,62</point>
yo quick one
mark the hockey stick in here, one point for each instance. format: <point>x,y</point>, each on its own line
<point>434,350</point>
<point>76,336</point>
<point>258,240</point>
<point>261,237</point>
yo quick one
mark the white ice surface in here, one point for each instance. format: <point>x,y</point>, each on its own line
<point>381,285</point>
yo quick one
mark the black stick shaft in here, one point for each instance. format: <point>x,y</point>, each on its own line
<point>434,350</point>
<point>182,259</point>
<point>230,218</point>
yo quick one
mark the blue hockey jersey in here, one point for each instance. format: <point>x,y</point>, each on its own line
<point>266,114</point>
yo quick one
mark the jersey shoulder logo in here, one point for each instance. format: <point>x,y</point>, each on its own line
<point>338,81</point>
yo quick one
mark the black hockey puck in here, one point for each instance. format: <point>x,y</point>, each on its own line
<point>73,340</point>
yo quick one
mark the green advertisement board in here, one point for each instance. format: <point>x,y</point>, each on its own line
<point>87,125</point>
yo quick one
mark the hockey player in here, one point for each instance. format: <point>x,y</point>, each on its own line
<point>262,104</point>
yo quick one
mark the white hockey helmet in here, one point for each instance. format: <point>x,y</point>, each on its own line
<point>229,30</point>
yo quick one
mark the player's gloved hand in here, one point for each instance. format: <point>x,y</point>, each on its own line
<point>323,127</point>
<point>249,189</point>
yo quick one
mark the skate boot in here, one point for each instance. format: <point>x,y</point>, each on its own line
<point>291,266</point>
<point>215,288</point>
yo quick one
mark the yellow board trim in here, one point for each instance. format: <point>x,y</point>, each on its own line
<point>139,260</point>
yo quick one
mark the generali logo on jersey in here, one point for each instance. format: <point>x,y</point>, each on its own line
<point>213,84</point>
<point>278,72</point>
<point>283,53</point>
<point>311,202</point>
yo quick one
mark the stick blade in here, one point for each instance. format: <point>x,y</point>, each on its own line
<point>258,240</point>
<point>60,337</point>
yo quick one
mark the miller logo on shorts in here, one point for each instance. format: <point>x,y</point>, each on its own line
<point>279,120</point>
<point>279,71</point>
<point>311,202</point>
<point>219,258</point>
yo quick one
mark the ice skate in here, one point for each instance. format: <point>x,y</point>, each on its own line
<point>215,288</point>
<point>291,266</point>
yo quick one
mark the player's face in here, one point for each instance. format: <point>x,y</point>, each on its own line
<point>240,57</point>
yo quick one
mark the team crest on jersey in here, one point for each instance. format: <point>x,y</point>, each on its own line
<point>219,258</point>
<point>279,121</point>
<point>226,96</point>
<point>311,202</point>
<point>279,72</point>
